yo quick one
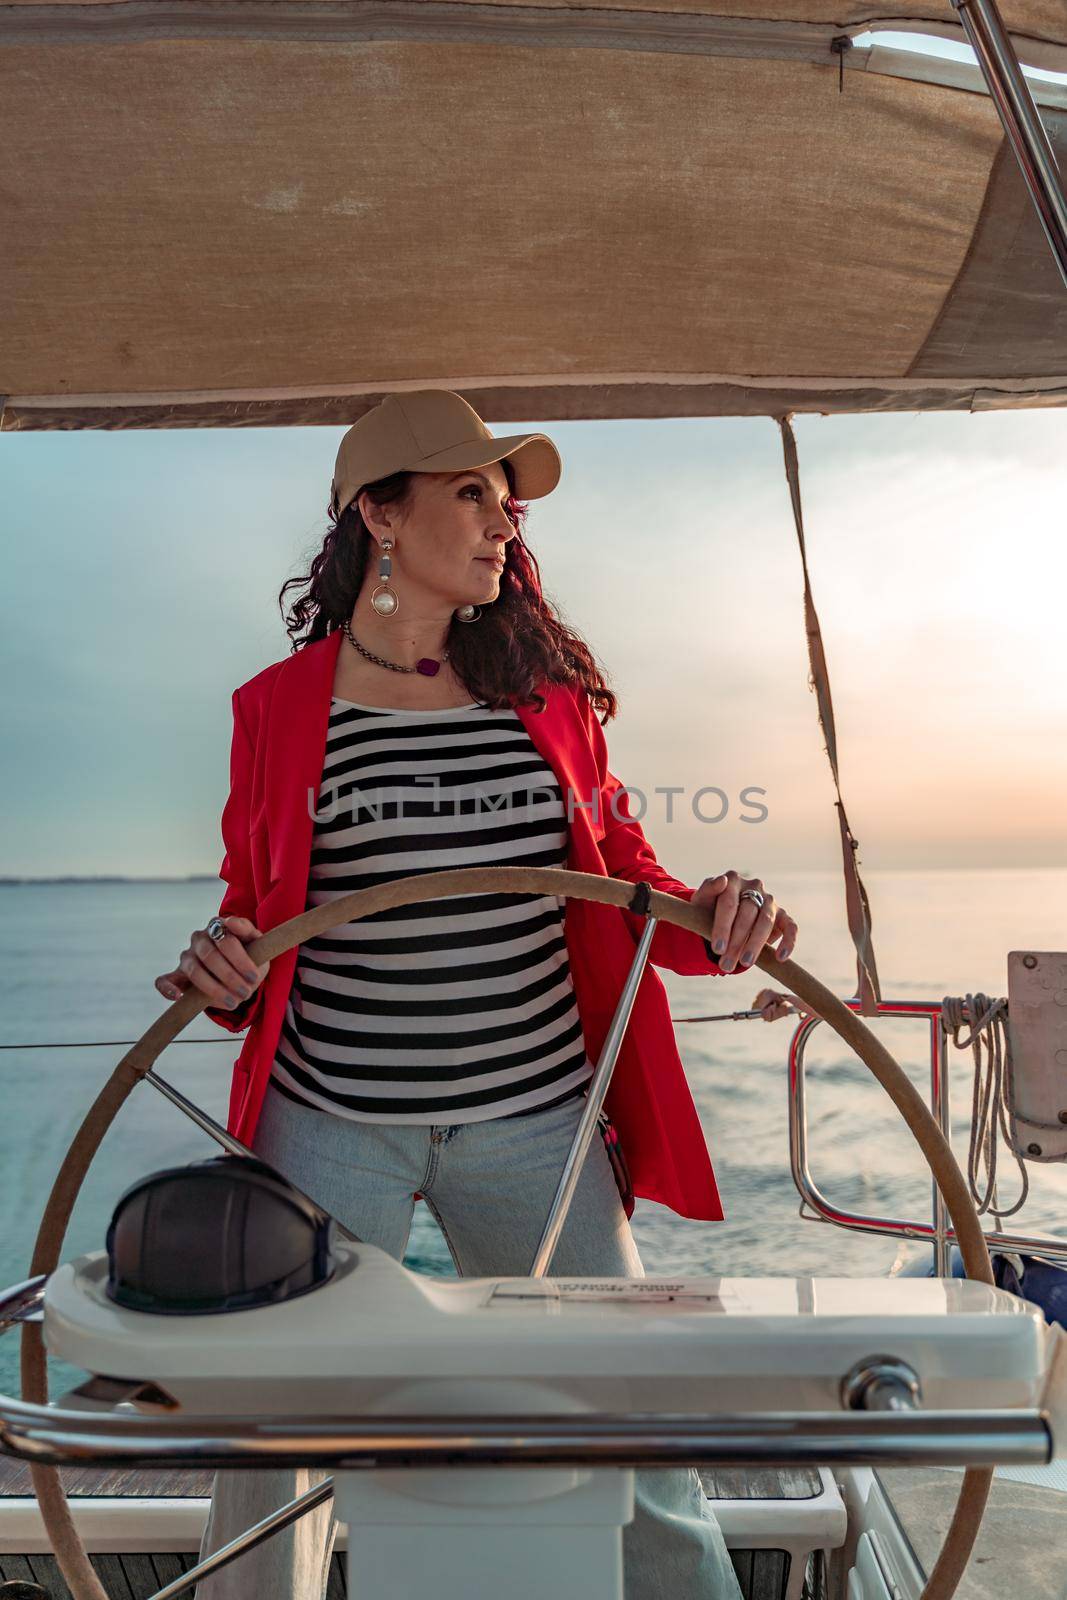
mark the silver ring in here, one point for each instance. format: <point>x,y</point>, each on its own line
<point>216,929</point>
<point>752,894</point>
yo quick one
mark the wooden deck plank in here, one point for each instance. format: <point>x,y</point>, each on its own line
<point>140,1575</point>
<point>742,1560</point>
<point>760,1483</point>
<point>770,1570</point>
<point>168,1567</point>
<point>112,1575</point>
<point>177,1482</point>
<point>16,1567</point>
<point>46,1572</point>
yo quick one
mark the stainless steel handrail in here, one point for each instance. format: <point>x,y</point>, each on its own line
<point>22,1302</point>
<point>232,1146</point>
<point>595,1096</point>
<point>1020,118</point>
<point>258,1533</point>
<point>938,1231</point>
<point>55,1437</point>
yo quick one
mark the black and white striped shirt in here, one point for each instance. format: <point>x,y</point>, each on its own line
<point>454,1010</point>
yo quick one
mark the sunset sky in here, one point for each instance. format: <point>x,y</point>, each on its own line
<point>144,567</point>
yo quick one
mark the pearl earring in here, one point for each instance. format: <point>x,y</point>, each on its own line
<point>385,600</point>
<point>468,613</point>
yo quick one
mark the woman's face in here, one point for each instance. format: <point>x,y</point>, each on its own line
<point>449,537</point>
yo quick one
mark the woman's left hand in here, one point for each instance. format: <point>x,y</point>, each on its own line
<point>741,929</point>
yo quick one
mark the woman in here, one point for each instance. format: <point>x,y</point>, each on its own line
<point>442,1050</point>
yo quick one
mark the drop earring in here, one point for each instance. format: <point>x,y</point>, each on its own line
<point>468,613</point>
<point>385,600</point>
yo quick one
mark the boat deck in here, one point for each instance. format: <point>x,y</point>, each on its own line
<point>1021,1551</point>
<point>1022,1546</point>
<point>768,1483</point>
<point>138,1575</point>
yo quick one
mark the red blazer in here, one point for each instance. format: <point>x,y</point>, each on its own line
<point>280,720</point>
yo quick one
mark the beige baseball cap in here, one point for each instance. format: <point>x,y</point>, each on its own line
<point>434,430</point>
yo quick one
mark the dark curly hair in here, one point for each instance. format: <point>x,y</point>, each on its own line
<point>514,645</point>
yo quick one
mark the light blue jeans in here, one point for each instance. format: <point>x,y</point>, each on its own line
<point>490,1186</point>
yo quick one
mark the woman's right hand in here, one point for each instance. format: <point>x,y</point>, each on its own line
<point>220,968</point>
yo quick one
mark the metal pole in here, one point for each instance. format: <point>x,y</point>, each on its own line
<point>821,1209</point>
<point>939,1105</point>
<point>594,1100</point>
<point>644,1439</point>
<point>233,1146</point>
<point>282,1518</point>
<point>23,1302</point>
<point>206,1124</point>
<point>1019,115</point>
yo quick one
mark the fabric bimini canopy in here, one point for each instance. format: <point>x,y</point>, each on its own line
<point>238,212</point>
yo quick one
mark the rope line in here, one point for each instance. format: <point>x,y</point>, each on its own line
<point>991,1106</point>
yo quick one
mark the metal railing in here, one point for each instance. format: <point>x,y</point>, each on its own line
<point>938,1232</point>
<point>638,1439</point>
<point>862,1433</point>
